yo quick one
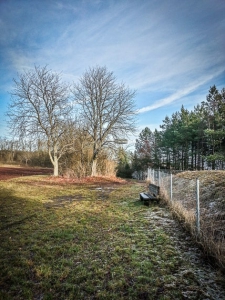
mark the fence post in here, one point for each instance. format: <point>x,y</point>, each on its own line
<point>171,186</point>
<point>153,176</point>
<point>159,177</point>
<point>197,207</point>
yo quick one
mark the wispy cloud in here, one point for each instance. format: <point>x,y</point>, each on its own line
<point>180,93</point>
<point>168,48</point>
<point>140,43</point>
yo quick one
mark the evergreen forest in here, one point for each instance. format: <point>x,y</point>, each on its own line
<point>188,140</point>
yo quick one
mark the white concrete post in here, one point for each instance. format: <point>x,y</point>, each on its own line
<point>171,187</point>
<point>197,207</point>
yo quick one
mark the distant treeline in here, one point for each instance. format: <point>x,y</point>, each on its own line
<point>76,163</point>
<point>188,140</point>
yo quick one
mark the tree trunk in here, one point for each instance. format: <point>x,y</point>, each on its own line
<point>94,167</point>
<point>56,167</point>
<point>55,162</point>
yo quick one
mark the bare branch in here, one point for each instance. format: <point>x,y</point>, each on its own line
<point>40,108</point>
<point>106,106</point>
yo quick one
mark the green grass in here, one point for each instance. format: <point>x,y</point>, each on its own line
<point>80,247</point>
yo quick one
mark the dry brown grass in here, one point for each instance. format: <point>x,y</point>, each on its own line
<point>212,209</point>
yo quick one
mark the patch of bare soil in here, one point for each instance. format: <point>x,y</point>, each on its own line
<point>61,201</point>
<point>8,172</point>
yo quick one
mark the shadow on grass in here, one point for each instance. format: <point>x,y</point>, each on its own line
<point>40,248</point>
<point>7,226</point>
<point>15,210</point>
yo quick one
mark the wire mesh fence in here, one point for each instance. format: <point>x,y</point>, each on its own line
<point>180,192</point>
<point>201,203</point>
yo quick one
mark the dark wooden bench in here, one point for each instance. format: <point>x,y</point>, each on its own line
<point>152,194</point>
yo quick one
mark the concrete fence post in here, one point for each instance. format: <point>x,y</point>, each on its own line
<point>171,187</point>
<point>197,207</point>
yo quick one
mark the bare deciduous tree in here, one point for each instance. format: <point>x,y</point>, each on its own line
<point>40,109</point>
<point>107,108</point>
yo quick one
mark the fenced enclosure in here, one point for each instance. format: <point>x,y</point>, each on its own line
<point>179,191</point>
<point>199,202</point>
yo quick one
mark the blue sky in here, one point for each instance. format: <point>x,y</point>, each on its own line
<point>170,52</point>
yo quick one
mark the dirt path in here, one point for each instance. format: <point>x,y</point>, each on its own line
<point>210,280</point>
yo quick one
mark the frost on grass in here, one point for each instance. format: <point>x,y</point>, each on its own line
<point>212,207</point>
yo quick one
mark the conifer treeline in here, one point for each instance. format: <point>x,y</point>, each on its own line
<point>188,140</point>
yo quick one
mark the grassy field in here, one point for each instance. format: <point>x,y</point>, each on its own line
<point>87,240</point>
